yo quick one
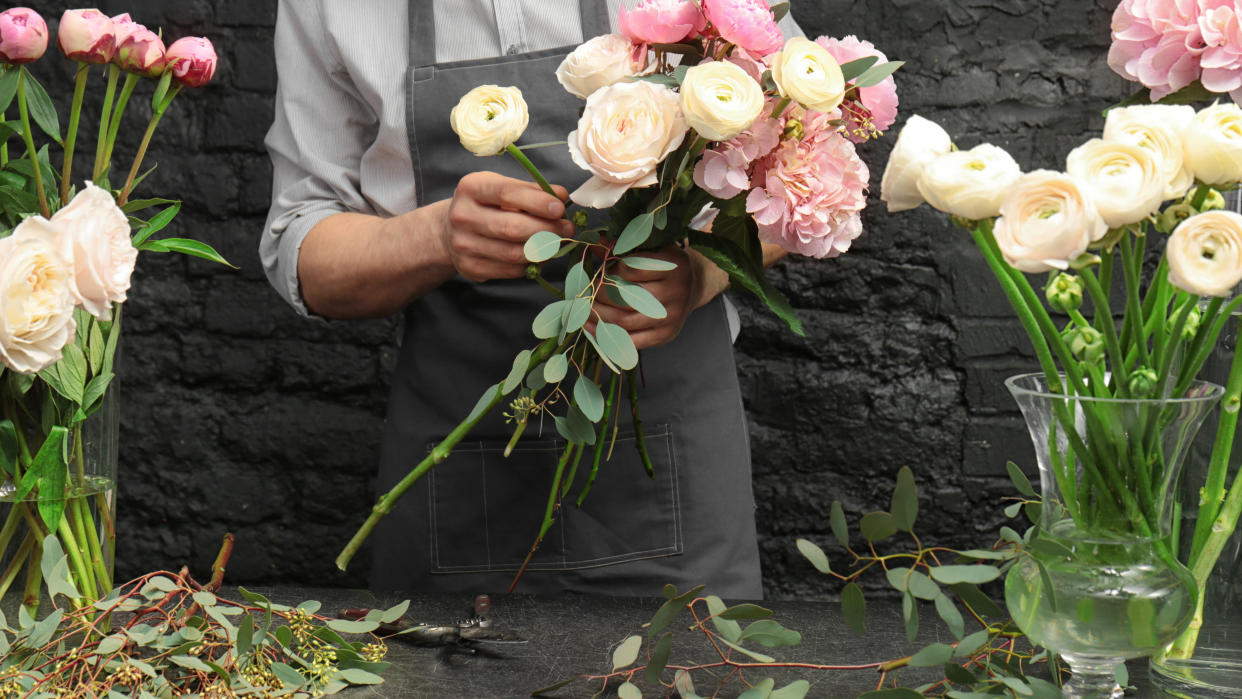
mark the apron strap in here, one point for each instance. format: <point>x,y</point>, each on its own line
<point>593,15</point>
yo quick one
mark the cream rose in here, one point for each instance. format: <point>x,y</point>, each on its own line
<point>624,132</point>
<point>720,100</point>
<point>969,183</point>
<point>36,299</point>
<point>1156,128</point>
<point>805,71</point>
<point>1214,144</point>
<point>489,118</point>
<point>1046,221</point>
<point>919,142</point>
<point>600,62</point>
<point>92,234</point>
<point>1125,181</point>
<point>1205,253</point>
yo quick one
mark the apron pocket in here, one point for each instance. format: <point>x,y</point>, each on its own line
<point>486,509</point>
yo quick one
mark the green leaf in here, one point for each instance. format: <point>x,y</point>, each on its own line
<point>535,379</point>
<point>956,673</point>
<point>55,568</point>
<point>42,111</point>
<point>485,400</point>
<point>290,678</point>
<point>840,528</point>
<point>576,281</point>
<point>932,655</point>
<point>670,609</point>
<point>575,314</point>
<point>8,89</point>
<point>635,233</point>
<point>745,611</point>
<point>770,634</point>
<point>813,553</point>
<point>730,629</point>
<point>950,615</point>
<point>657,78</point>
<point>639,299</point>
<point>95,390</point>
<point>392,614</point>
<point>541,246</point>
<point>589,398</point>
<point>185,246</point>
<point>985,555</point>
<point>615,342</point>
<point>189,661</point>
<point>157,223</point>
<point>876,74</point>
<point>111,644</point>
<point>600,351</point>
<point>910,612</point>
<point>555,368</point>
<point>747,273</point>
<point>547,323</point>
<point>51,466</point>
<point>627,652</point>
<point>953,574</point>
<point>659,658</point>
<point>575,427</point>
<point>978,602</point>
<point>245,634</point>
<point>9,449</point>
<point>355,675</point>
<point>905,502</point>
<point>348,626</point>
<point>1020,481</point>
<point>139,204</point>
<point>854,608</point>
<point>628,690</point>
<point>760,657</point>
<point>760,690</point>
<point>876,526</point>
<point>853,69</point>
<point>779,10</point>
<point>95,346</point>
<point>899,693</point>
<point>1019,687</point>
<point>648,264</point>
<point>521,364</point>
<point>684,685</point>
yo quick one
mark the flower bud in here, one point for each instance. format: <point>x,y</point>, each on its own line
<point>1172,215</point>
<point>23,35</point>
<point>793,131</point>
<point>1064,293</point>
<point>1192,323</point>
<point>580,218</point>
<point>1086,343</point>
<point>88,36</point>
<point>1214,201</point>
<point>139,50</point>
<point>1143,381</point>
<point>192,61</point>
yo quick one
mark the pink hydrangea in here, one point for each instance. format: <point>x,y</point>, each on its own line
<point>661,21</point>
<point>724,170</point>
<point>809,193</point>
<point>1158,43</point>
<point>879,101</point>
<point>746,23</point>
<point>1221,60</point>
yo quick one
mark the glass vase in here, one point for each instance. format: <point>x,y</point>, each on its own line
<point>1100,582</point>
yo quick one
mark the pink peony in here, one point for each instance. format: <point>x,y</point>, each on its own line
<point>661,21</point>
<point>879,102</point>
<point>809,192</point>
<point>1221,61</point>
<point>87,36</point>
<point>1158,43</point>
<point>23,35</point>
<point>746,23</point>
<point>724,170</point>
<point>139,50</point>
<point>192,60</point>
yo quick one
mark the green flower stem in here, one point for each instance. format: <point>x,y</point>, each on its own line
<point>82,576</point>
<point>534,272</point>
<point>94,551</point>
<point>609,404</point>
<point>108,516</point>
<point>1201,195</point>
<point>1104,323</point>
<point>1167,344</point>
<point>530,167</point>
<point>28,137</point>
<point>549,515</point>
<point>156,115</point>
<point>4,147</point>
<point>1212,496</point>
<point>71,136</point>
<point>640,439</point>
<point>104,114</point>
<point>34,578</point>
<point>114,123</point>
<point>437,455</point>
<point>1197,361</point>
<point>780,107</point>
<point>15,563</point>
<point>71,522</point>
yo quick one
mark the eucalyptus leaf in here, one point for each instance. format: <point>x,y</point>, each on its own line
<point>932,655</point>
<point>910,612</point>
<point>876,526</point>
<point>639,299</point>
<point>770,634</point>
<point>729,628</point>
<point>759,690</point>
<point>659,658</point>
<point>521,364</point>
<point>746,611</point>
<point>359,676</point>
<point>840,528</point>
<point>589,398</point>
<point>978,602</point>
<point>952,574</point>
<point>854,608</point>
<point>489,394</point>
<point>671,608</point>
<point>794,690</point>
<point>635,233</point>
<point>956,673</point>
<point>348,626</point>
<point>245,634</point>
<point>290,678</point>
<point>615,342</point>
<point>648,264</point>
<point>905,501</point>
<point>541,246</point>
<point>1020,481</point>
<point>967,646</point>
<point>555,368</point>
<point>877,73</point>
<point>950,615</point>
<point>628,690</point>
<point>760,657</point>
<point>547,323</point>
<point>576,281</point>
<point>855,68</point>
<point>684,685</point>
<point>575,314</point>
<point>627,652</point>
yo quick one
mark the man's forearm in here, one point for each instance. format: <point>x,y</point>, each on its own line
<point>361,266</point>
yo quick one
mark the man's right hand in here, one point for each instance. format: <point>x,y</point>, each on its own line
<point>489,219</point>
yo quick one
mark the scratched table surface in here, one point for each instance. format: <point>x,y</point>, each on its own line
<point>570,635</point>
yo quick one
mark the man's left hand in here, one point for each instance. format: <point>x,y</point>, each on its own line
<point>691,284</point>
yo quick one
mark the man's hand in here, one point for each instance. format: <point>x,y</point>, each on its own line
<point>489,219</point>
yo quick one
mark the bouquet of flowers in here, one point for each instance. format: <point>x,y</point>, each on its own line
<point>66,258</point>
<point>702,127</point>
<point>1180,50</point>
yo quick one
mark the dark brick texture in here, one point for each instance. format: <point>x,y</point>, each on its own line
<point>239,416</point>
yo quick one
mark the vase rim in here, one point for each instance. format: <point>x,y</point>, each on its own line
<point>1200,391</point>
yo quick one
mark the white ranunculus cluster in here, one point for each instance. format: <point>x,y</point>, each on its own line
<point>82,256</point>
<point>1148,155</point>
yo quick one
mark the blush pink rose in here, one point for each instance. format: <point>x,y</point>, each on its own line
<point>1221,61</point>
<point>94,235</point>
<point>879,101</point>
<point>746,23</point>
<point>661,21</point>
<point>192,60</point>
<point>1157,43</point>
<point>88,36</point>
<point>809,193</point>
<point>23,35</point>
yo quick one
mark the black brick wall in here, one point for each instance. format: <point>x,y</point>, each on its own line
<point>239,416</point>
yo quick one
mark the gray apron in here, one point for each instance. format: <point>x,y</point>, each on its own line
<point>467,526</point>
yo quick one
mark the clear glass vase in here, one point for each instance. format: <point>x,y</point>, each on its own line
<point>1101,584</point>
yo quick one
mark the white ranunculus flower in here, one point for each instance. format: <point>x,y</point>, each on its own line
<point>971,183</point>
<point>1125,181</point>
<point>489,118</point>
<point>624,132</point>
<point>720,100</point>
<point>1158,129</point>
<point>600,62</point>
<point>1046,221</point>
<point>804,71</point>
<point>919,142</point>
<point>36,299</point>
<point>93,235</point>
<point>1214,144</point>
<point>1205,253</point>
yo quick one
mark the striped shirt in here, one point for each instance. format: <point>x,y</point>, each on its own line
<point>338,141</point>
